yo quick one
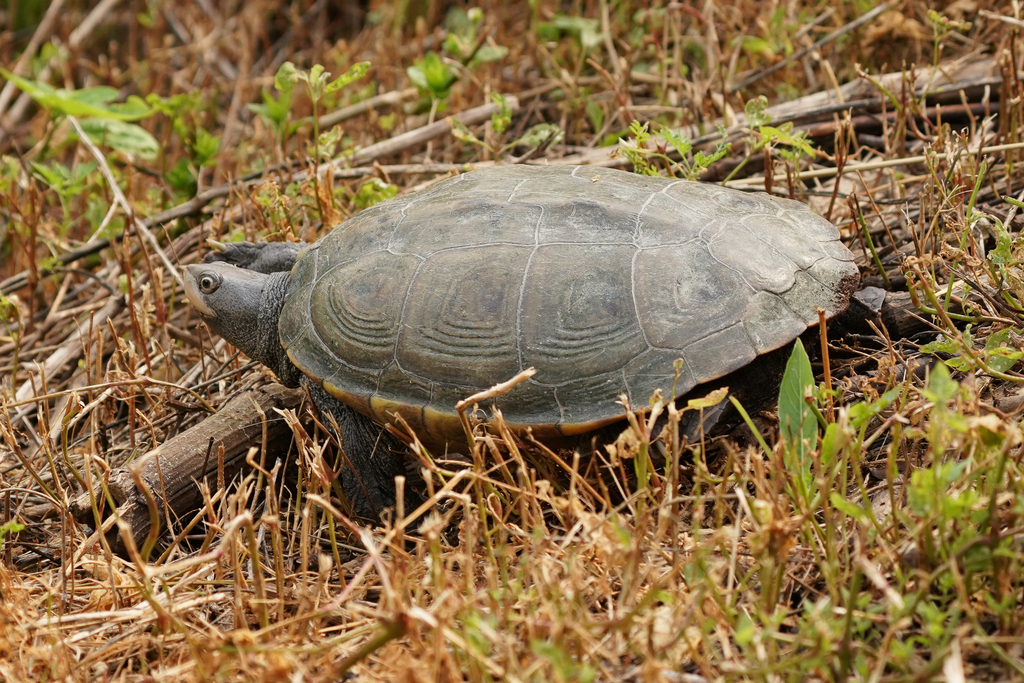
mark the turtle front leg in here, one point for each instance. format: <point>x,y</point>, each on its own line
<point>265,257</point>
<point>374,456</point>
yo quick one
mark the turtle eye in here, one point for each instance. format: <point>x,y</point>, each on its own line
<point>208,283</point>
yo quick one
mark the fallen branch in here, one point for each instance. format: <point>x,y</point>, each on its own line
<point>172,471</point>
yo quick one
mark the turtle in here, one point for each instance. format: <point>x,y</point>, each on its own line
<point>599,279</point>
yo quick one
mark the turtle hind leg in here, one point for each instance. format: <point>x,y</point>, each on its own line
<point>372,456</point>
<point>264,257</point>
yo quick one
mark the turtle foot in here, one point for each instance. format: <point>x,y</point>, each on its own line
<point>265,257</point>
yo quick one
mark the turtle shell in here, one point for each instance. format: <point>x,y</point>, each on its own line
<point>598,278</point>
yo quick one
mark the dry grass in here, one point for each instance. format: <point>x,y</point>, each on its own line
<point>891,552</point>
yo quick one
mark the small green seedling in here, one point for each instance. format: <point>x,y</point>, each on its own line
<point>639,151</point>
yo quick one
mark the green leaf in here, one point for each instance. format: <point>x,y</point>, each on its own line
<point>830,444</point>
<point>96,101</point>
<point>755,111</point>
<point>680,142</point>
<point>489,53</point>
<point>432,75</point>
<point>273,110</point>
<point>950,346</point>
<point>53,175</point>
<point>11,527</point>
<point>798,425</point>
<point>847,508</point>
<point>941,387</point>
<point>563,665</point>
<point>374,191</point>
<point>759,46</point>
<point>595,113</point>
<point>501,119</point>
<point>286,77</point>
<point>1000,354</point>
<point>206,147</point>
<point>128,138</point>
<point>746,630</point>
<point>1003,253</point>
<point>181,178</point>
<point>702,161</point>
<point>65,181</point>
<point>536,135</point>
<point>585,28</point>
<point>9,310</point>
<point>710,400</point>
<point>461,132</point>
<point>10,172</point>
<point>863,412</point>
<point>316,79</point>
<point>357,71</point>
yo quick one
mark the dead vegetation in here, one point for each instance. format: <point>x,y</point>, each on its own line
<point>890,549</point>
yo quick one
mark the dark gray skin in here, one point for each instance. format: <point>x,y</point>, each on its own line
<point>243,306</point>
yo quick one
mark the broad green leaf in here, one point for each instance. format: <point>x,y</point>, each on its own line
<point>286,77</point>
<point>273,110</point>
<point>941,387</point>
<point>798,425</point>
<point>317,79</point>
<point>96,101</point>
<point>849,509</point>
<point>758,45</point>
<point>129,138</point>
<point>1000,355</point>
<point>946,345</point>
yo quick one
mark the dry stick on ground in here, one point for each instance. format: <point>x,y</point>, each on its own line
<point>418,136</point>
<point>393,98</point>
<point>1001,17</point>
<point>173,469</point>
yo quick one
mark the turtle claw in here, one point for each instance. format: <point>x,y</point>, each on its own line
<point>266,257</point>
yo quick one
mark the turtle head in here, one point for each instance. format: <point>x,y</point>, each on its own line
<point>243,307</point>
